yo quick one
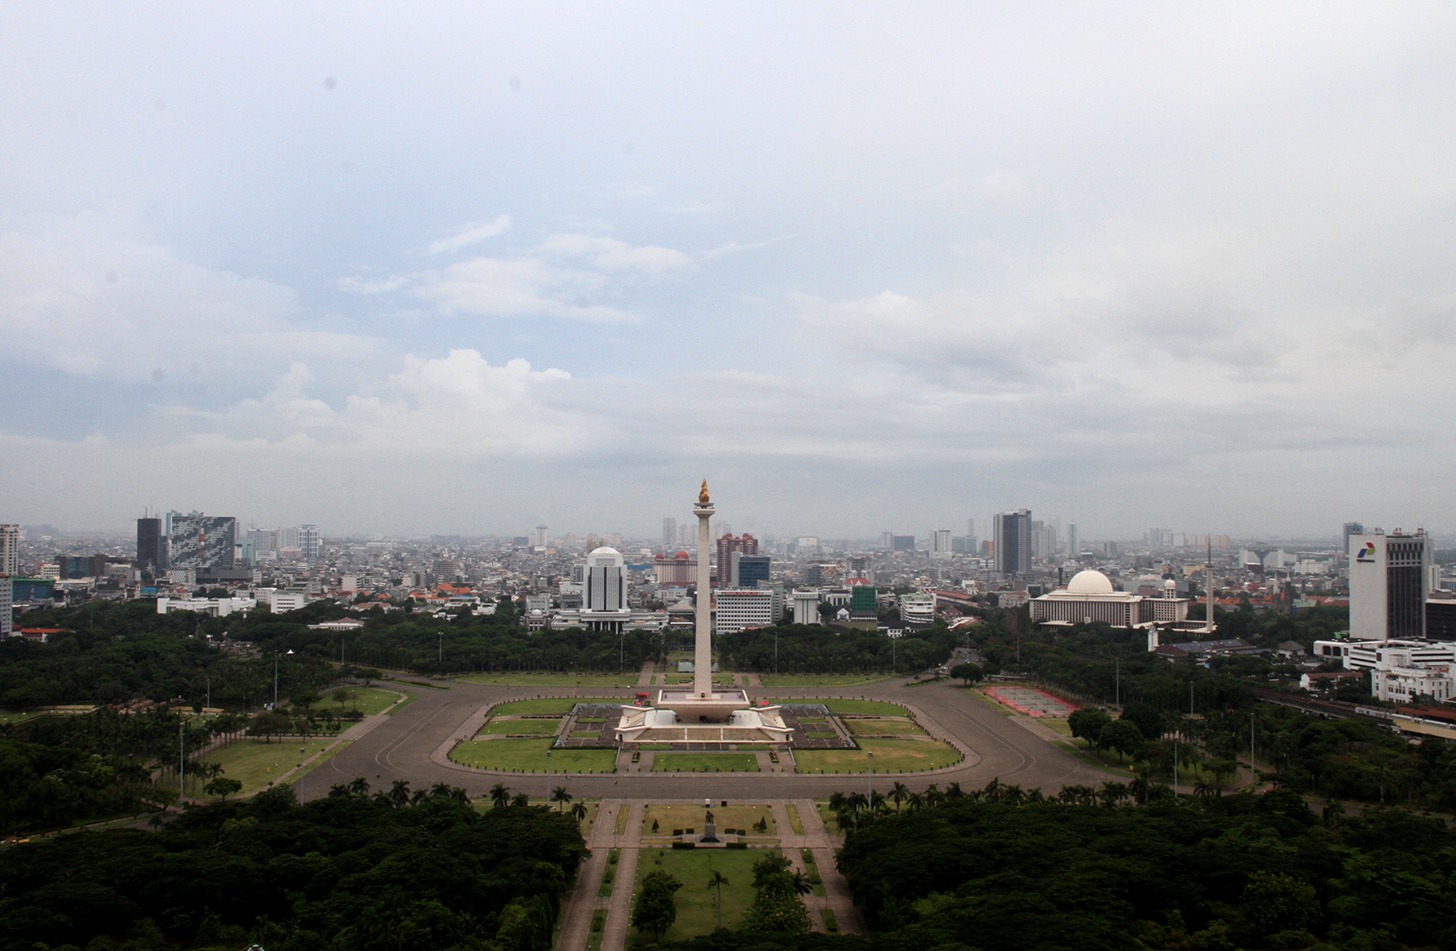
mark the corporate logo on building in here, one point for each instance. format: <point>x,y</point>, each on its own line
<point>1366,554</point>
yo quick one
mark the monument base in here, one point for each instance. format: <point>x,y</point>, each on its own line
<point>687,723</point>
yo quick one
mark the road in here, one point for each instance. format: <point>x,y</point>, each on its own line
<point>414,743</point>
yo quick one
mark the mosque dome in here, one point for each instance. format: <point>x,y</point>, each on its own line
<point>1090,581</point>
<point>682,555</point>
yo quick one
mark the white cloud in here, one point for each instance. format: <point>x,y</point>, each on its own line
<point>474,234</point>
<point>609,254</point>
<point>518,287</point>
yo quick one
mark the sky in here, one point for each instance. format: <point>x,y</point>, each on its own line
<point>474,267</point>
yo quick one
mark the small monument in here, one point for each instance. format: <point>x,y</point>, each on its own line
<point>710,831</point>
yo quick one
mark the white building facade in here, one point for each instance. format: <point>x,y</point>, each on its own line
<point>1389,581</point>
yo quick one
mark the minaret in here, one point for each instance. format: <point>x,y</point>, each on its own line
<point>703,618</point>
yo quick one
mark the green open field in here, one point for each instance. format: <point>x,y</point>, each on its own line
<point>874,708</point>
<point>892,755</point>
<point>883,727</point>
<point>560,706</point>
<point>821,680</point>
<point>529,756</point>
<point>696,910</point>
<point>691,817</point>
<point>256,763</point>
<point>507,725</point>
<point>625,680</point>
<point>704,762</point>
<point>367,700</point>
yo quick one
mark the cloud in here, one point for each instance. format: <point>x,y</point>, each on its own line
<point>474,234</point>
<point>358,285</point>
<point>518,287</point>
<point>609,254</point>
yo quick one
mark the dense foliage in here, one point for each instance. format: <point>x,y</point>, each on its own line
<point>1242,871</point>
<point>342,873</point>
<point>812,648</point>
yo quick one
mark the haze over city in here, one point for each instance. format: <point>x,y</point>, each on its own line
<point>472,268</point>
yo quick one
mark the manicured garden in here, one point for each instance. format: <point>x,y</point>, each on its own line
<point>528,755</point>
<point>892,755</point>
<point>704,763</point>
<point>257,763</point>
<point>697,912</point>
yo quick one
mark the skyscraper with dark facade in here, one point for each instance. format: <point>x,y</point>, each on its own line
<point>1013,542</point>
<point>151,550</point>
<point>202,541</point>
<point>745,544</point>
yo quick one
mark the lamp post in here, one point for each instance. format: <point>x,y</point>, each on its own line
<point>548,777</point>
<point>275,677</point>
<point>870,782</point>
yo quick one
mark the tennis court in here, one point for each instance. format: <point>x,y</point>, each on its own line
<point>1030,701</point>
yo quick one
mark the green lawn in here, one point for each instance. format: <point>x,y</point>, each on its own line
<point>821,680</point>
<point>874,708</point>
<point>256,763</point>
<point>892,755</point>
<point>884,727</point>
<point>625,680</point>
<point>505,725</point>
<point>704,762</point>
<point>529,755</point>
<point>691,817</point>
<point>560,706</point>
<point>367,700</point>
<point>696,908</point>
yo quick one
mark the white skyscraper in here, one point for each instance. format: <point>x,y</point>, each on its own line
<point>940,543</point>
<point>9,549</point>
<point>1389,581</point>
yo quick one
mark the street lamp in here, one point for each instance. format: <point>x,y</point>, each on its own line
<point>275,677</point>
<point>870,792</point>
<point>548,777</point>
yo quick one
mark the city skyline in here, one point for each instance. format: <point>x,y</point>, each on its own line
<point>465,268</point>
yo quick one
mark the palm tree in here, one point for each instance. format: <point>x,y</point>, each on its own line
<point>560,796</point>
<point>500,796</point>
<point>359,786</point>
<point>399,793</point>
<point>801,883</point>
<point>898,794</point>
<point>954,791</point>
<point>578,811</point>
<point>716,883</point>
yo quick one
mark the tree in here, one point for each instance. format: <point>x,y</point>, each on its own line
<point>776,907</point>
<point>1087,724</point>
<point>898,794</point>
<point>223,786</point>
<point>500,796</point>
<point>560,796</point>
<point>655,908</point>
<point>1123,736</point>
<point>578,811</point>
<point>968,672</point>
<point>716,883</point>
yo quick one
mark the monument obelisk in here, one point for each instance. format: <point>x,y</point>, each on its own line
<point>703,613</point>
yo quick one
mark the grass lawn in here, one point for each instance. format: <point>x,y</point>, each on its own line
<point>696,907</point>
<point>1058,724</point>
<point>874,708</point>
<point>797,825</point>
<point>704,762</point>
<point>691,817</point>
<point>256,763</point>
<point>892,755</point>
<point>821,680</point>
<point>559,706</point>
<point>551,679</point>
<point>507,725</point>
<point>367,700</point>
<point>883,727</point>
<point>529,756</point>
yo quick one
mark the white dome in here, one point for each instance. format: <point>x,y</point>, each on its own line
<point>1090,581</point>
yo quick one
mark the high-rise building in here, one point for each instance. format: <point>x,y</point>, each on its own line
<point>310,542</point>
<point>940,543</point>
<point>806,606</point>
<point>604,595</point>
<point>727,545</point>
<point>1013,542</point>
<point>669,533</point>
<point>538,538</point>
<point>151,544</point>
<point>1389,583</point>
<point>7,610</point>
<point>750,571</point>
<point>9,549</point>
<point>738,610</point>
<point>202,541</point>
<point>1074,543</point>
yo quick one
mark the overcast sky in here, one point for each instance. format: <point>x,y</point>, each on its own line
<point>866,266</point>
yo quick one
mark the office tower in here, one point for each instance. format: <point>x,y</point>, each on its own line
<point>902,542</point>
<point>1043,541</point>
<point>7,611</point>
<point>151,552</point>
<point>738,610</point>
<point>727,545</point>
<point>9,549</point>
<point>539,538</point>
<point>1389,577</point>
<point>604,593</point>
<point>310,542</point>
<point>1013,542</point>
<point>669,533</point>
<point>1074,543</point>
<point>202,541</point>
<point>940,543</point>
<point>750,570</point>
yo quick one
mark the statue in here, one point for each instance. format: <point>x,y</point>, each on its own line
<point>703,494</point>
